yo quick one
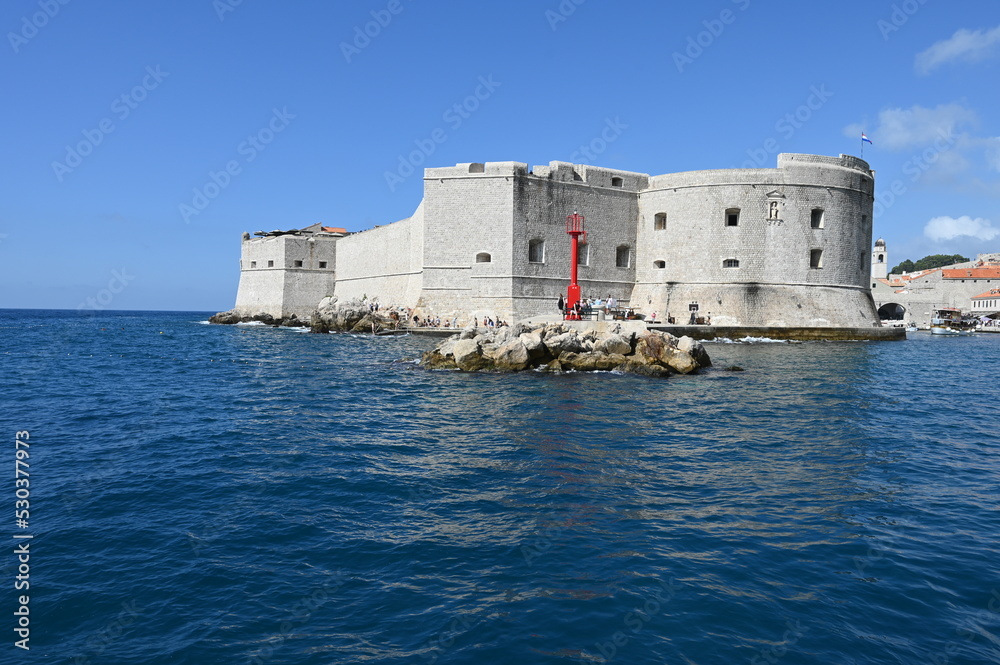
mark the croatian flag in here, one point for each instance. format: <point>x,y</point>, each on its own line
<point>865,138</point>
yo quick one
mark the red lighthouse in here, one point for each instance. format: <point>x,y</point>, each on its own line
<point>574,227</point>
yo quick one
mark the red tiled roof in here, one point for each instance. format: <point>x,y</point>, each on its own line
<point>332,229</point>
<point>992,293</point>
<point>971,273</point>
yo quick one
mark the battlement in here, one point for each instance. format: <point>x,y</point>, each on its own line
<point>473,169</point>
<point>793,160</point>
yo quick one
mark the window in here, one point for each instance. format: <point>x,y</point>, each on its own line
<point>270,264</point>
<point>253,264</point>
<point>816,218</point>
<point>659,264</point>
<point>731,263</point>
<point>881,258</point>
<point>477,167</point>
<point>772,211</point>
<point>660,221</point>
<point>816,258</point>
<point>536,251</point>
<point>483,257</point>
<point>733,217</point>
<point>583,255</point>
<point>297,264</point>
<point>322,264</point>
<point>617,182</point>
<point>623,256</point>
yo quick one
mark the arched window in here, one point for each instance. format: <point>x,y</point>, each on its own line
<point>659,264</point>
<point>536,251</point>
<point>477,167</point>
<point>731,263</point>
<point>617,182</point>
<point>881,258</point>
<point>623,256</point>
<point>660,221</point>
<point>583,255</point>
<point>733,217</point>
<point>483,257</point>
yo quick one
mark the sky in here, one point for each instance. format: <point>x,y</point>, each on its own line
<point>141,139</point>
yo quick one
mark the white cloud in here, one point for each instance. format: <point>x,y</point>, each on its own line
<point>949,228</point>
<point>917,126</point>
<point>966,45</point>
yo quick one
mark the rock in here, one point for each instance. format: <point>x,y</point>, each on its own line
<point>695,349</point>
<point>225,318</point>
<point>512,357</point>
<point>554,348</point>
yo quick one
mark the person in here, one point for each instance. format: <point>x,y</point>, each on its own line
<point>692,321</point>
<point>562,303</point>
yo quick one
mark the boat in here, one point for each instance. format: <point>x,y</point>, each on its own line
<point>911,327</point>
<point>949,321</point>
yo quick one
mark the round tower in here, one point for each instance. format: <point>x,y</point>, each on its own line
<point>880,260</point>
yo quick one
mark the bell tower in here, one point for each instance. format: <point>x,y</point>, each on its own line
<point>880,260</point>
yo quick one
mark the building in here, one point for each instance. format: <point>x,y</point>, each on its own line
<point>913,297</point>
<point>787,246</point>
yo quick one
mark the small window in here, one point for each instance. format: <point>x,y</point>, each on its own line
<point>483,257</point>
<point>733,217</point>
<point>270,264</point>
<point>477,167</point>
<point>322,264</point>
<point>297,264</point>
<point>583,255</point>
<point>873,285</point>
<point>816,218</point>
<point>617,182</point>
<point>659,264</point>
<point>731,263</point>
<point>881,258</point>
<point>623,256</point>
<point>253,264</point>
<point>536,251</point>
<point>816,258</point>
<point>660,221</point>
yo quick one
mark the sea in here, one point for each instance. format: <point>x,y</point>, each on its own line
<point>245,494</point>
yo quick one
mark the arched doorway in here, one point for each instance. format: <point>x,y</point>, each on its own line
<point>891,311</point>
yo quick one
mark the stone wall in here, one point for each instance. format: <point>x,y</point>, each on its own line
<point>383,263</point>
<point>285,275</point>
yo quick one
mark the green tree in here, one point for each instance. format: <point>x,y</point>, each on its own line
<point>928,262</point>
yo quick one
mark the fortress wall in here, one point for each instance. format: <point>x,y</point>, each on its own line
<point>467,239</point>
<point>271,282</point>
<point>696,241</point>
<point>383,262</point>
<point>541,206</point>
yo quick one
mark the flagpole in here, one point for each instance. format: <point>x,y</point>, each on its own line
<point>862,145</point>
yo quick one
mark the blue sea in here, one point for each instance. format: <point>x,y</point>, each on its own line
<point>244,494</point>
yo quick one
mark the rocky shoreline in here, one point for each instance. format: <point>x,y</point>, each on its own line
<point>329,316</point>
<point>555,347</point>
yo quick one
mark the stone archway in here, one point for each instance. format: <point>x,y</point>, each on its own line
<point>891,311</point>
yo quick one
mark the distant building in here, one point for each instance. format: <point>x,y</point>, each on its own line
<point>787,246</point>
<point>987,303</point>
<point>913,296</point>
<point>880,260</point>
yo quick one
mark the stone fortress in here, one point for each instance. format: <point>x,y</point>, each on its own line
<point>782,247</point>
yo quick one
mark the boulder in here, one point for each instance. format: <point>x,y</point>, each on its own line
<point>511,357</point>
<point>226,318</point>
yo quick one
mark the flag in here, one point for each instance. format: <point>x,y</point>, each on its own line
<point>865,138</point>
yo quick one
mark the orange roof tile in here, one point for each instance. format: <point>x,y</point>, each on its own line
<point>971,273</point>
<point>992,293</point>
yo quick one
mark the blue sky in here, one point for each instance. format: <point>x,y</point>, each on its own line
<point>142,138</point>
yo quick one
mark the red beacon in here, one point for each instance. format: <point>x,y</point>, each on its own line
<point>574,227</point>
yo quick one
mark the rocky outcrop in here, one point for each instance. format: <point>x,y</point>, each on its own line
<point>232,316</point>
<point>555,347</point>
<point>333,315</point>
